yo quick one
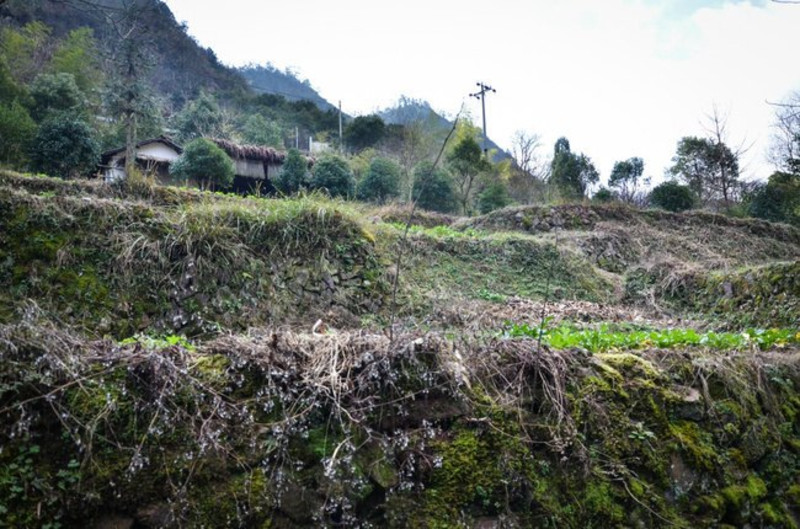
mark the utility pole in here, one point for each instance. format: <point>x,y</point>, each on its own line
<point>484,88</point>
<point>341,144</point>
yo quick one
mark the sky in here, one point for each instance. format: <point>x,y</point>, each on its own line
<point>618,78</point>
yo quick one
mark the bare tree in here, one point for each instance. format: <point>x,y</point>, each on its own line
<point>784,150</point>
<point>524,147</point>
<point>129,94</point>
<point>724,179</point>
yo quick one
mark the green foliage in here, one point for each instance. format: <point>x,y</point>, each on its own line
<point>709,168</point>
<point>433,189</point>
<point>201,118</point>
<point>604,196</point>
<point>467,164</point>
<point>294,174</point>
<point>25,50</point>
<point>778,200</point>
<point>608,338</point>
<point>672,196</point>
<point>332,174</point>
<point>77,55</point>
<point>258,130</point>
<point>494,196</point>
<point>571,173</point>
<point>626,177</point>
<point>9,89</point>
<point>202,161</point>
<point>17,129</point>
<point>364,132</point>
<point>382,181</point>
<point>54,93</point>
<point>64,146</point>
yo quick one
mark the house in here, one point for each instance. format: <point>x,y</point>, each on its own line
<point>153,156</point>
<point>256,166</point>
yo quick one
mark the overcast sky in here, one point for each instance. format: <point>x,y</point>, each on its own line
<point>618,78</point>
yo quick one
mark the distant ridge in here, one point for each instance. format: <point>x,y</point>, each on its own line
<point>268,79</point>
<point>409,110</point>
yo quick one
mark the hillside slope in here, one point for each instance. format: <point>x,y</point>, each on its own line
<point>172,358</point>
<point>180,66</point>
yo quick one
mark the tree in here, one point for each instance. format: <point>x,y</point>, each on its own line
<point>294,174</point>
<point>26,50</point>
<point>332,174</point>
<point>433,188</point>
<point>201,118</point>
<point>725,180</point>
<point>527,175</point>
<point>65,147</point>
<point>571,173</point>
<point>467,163</point>
<point>127,93</point>
<point>625,177</point>
<point>363,132</point>
<point>708,165</point>
<point>203,162</point>
<point>672,196</point>
<point>523,149</point>
<point>710,169</point>
<point>258,130</point>
<point>77,54</point>
<point>785,141</point>
<point>17,129</point>
<point>778,200</point>
<point>382,181</point>
<point>53,93</point>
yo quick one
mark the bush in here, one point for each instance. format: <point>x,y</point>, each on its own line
<point>433,189</point>
<point>65,147</point>
<point>205,163</point>
<point>672,196</point>
<point>382,181</point>
<point>333,175</point>
<point>604,196</point>
<point>494,196</point>
<point>294,174</point>
<point>778,200</point>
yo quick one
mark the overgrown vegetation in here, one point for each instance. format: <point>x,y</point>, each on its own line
<point>209,359</point>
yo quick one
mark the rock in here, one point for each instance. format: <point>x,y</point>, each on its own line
<point>114,521</point>
<point>154,516</point>
<point>487,523</point>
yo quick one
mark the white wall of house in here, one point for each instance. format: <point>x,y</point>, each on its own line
<point>151,152</point>
<point>250,168</point>
<point>157,152</point>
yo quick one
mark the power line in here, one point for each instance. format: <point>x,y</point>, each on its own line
<point>484,88</point>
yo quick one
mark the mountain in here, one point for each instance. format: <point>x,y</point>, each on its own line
<point>269,80</point>
<point>409,110</point>
<point>179,67</point>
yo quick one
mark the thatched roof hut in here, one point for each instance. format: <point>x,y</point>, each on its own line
<point>258,153</point>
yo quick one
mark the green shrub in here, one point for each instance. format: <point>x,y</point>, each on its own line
<point>64,146</point>
<point>433,189</point>
<point>672,197</point>
<point>205,163</point>
<point>333,175</point>
<point>382,181</point>
<point>294,174</point>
